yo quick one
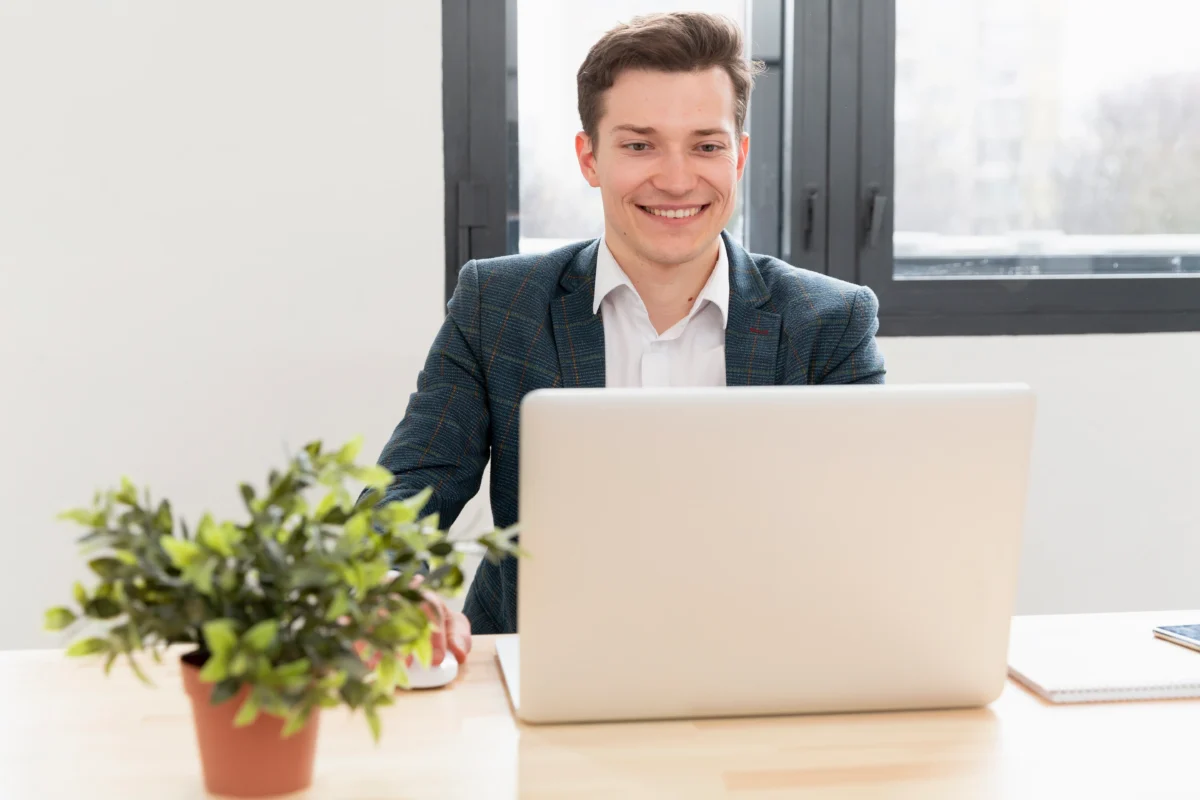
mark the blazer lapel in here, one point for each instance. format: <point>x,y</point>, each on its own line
<point>752,333</point>
<point>578,333</point>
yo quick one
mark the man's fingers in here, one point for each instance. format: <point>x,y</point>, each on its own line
<point>458,635</point>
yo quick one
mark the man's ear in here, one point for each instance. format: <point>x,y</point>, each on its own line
<point>587,158</point>
<point>743,154</point>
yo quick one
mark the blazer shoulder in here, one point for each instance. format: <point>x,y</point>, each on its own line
<point>522,278</point>
<point>795,291</point>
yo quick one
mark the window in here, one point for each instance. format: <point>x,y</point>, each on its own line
<point>986,166</point>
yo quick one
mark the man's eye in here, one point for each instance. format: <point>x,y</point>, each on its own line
<point>710,148</point>
<point>636,147</point>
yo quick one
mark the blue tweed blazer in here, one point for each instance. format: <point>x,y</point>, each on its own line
<point>525,322</point>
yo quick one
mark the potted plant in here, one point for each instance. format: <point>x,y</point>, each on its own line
<point>309,603</point>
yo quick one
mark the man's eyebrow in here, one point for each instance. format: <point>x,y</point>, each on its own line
<point>641,131</point>
<point>634,129</point>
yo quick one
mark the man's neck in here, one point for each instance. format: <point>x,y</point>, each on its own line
<point>668,290</point>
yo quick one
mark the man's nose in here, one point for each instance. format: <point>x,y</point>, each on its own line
<point>675,176</point>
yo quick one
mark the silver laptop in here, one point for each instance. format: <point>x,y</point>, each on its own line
<point>774,550</point>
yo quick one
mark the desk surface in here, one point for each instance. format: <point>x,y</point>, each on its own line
<point>67,731</point>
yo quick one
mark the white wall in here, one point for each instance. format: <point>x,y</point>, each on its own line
<point>1113,521</point>
<point>220,234</point>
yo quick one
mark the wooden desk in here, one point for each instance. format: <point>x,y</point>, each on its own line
<point>68,732</point>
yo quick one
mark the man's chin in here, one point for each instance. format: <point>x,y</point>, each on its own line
<point>674,252</point>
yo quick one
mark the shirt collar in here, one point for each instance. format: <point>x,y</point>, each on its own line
<point>610,276</point>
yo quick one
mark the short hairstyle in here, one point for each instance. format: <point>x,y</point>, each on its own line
<point>686,41</point>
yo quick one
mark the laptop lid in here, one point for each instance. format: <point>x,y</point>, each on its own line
<point>766,550</point>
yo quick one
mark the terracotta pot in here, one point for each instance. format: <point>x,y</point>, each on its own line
<point>254,761</point>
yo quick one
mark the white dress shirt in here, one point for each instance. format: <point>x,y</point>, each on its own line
<point>690,353</point>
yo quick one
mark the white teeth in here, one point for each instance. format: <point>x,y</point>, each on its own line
<point>675,213</point>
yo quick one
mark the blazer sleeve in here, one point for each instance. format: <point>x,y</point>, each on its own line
<point>442,441</point>
<point>857,359</point>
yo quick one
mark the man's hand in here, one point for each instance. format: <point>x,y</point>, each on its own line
<point>451,629</point>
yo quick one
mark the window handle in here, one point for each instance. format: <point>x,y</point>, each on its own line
<point>876,207</point>
<point>810,213</point>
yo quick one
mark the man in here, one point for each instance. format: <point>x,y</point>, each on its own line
<point>664,298</point>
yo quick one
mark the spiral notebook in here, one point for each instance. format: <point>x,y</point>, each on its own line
<point>1095,658</point>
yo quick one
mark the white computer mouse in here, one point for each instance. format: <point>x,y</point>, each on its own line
<point>433,676</point>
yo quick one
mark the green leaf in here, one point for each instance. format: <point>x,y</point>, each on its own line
<point>224,690</point>
<point>338,606</point>
<point>247,713</point>
<point>311,576</point>
<point>102,608</point>
<point>137,670</point>
<point>370,499</point>
<point>86,517</point>
<point>449,577</point>
<point>373,720</point>
<point>359,580</point>
<point>182,553</point>
<point>87,647</point>
<point>357,527</point>
<point>334,680</point>
<point>353,666</point>
<point>418,501</point>
<point>80,593</point>
<point>220,637</point>
<point>58,618</point>
<point>349,452</point>
<point>337,516</point>
<point>126,557</point>
<point>423,648</point>
<point>262,635</point>
<point>108,661</point>
<point>239,664</point>
<point>295,723</point>
<point>135,638</point>
<point>218,538</point>
<point>376,477</point>
<point>354,693</point>
<point>127,493</point>
<point>373,572</point>
<point>107,568</point>
<point>397,513</point>
<point>202,576</point>
<point>163,520</point>
<point>248,496</point>
<point>388,669</point>
<point>441,549</point>
<point>293,669</point>
<point>327,504</point>
<point>215,669</point>
<point>270,701</point>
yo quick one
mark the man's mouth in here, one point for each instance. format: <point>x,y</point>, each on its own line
<point>675,212</point>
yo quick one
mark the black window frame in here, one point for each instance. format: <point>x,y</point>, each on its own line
<point>819,185</point>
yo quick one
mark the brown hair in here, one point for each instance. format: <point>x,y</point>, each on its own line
<point>684,41</point>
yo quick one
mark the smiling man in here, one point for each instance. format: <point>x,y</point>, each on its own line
<point>663,299</point>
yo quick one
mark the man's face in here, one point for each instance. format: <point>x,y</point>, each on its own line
<point>667,162</point>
